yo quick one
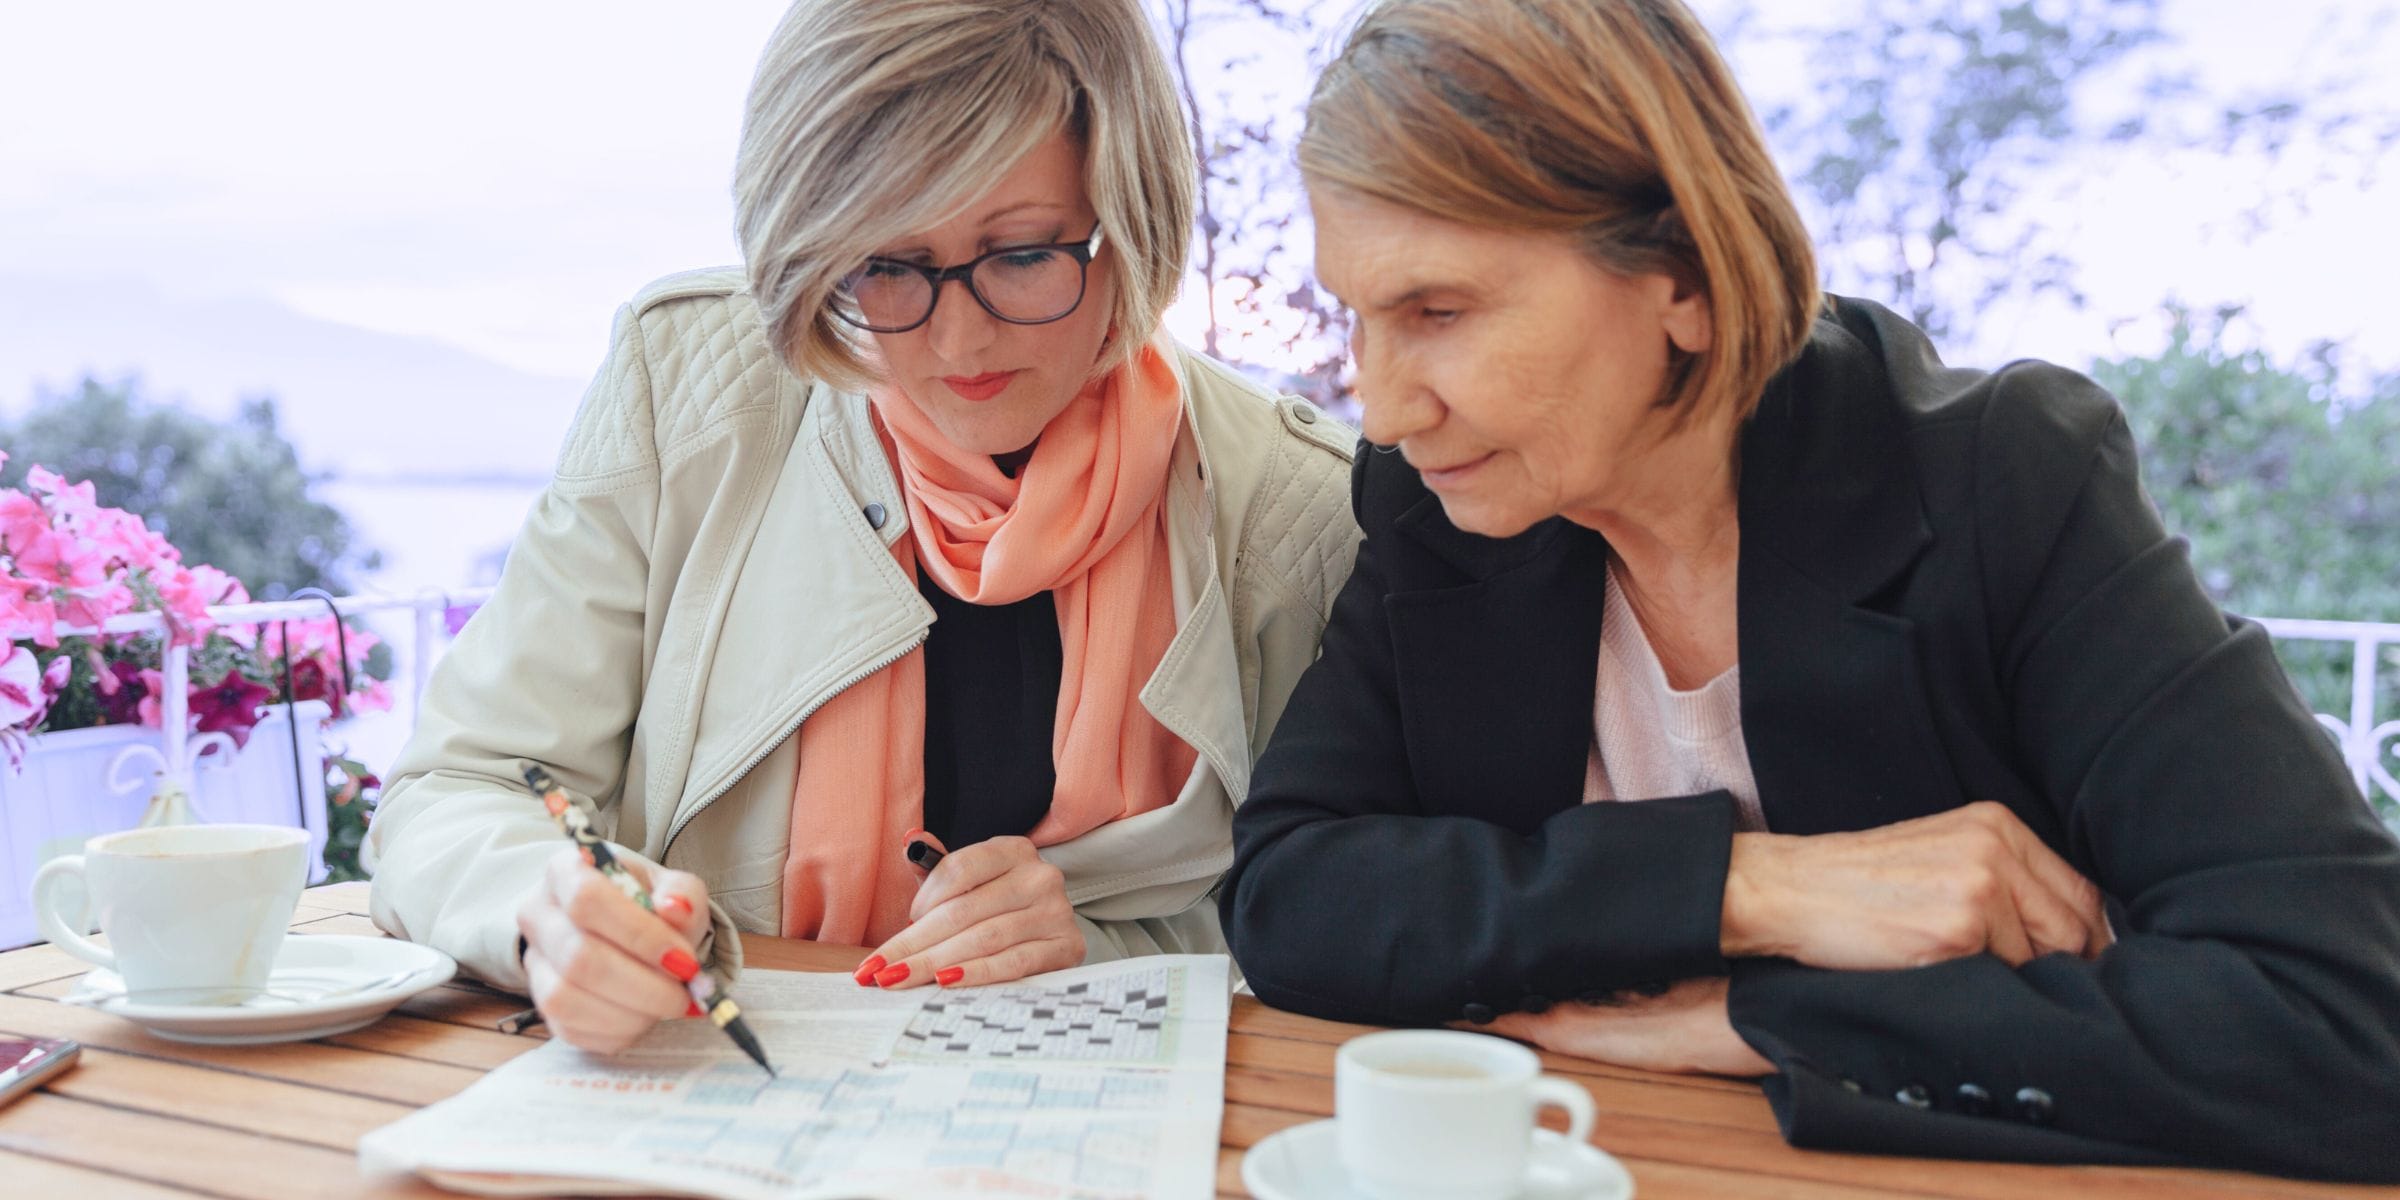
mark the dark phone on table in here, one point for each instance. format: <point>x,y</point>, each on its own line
<point>27,1063</point>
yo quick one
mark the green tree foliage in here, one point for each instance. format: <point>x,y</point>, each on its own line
<point>232,495</point>
<point>1937,139</point>
<point>2291,495</point>
<point>2288,491</point>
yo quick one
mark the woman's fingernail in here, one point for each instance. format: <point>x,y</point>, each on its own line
<point>865,974</point>
<point>693,1009</point>
<point>682,907</point>
<point>680,964</point>
<point>949,975</point>
<point>890,975</point>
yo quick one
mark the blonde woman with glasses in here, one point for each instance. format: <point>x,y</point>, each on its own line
<point>913,532</point>
<point>1727,685</point>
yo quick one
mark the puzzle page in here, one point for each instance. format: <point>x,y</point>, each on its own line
<point>1102,1082</point>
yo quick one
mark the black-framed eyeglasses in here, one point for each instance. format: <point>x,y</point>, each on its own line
<point>1022,285</point>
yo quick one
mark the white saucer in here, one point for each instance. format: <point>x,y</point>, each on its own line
<point>1304,1163</point>
<point>322,984</point>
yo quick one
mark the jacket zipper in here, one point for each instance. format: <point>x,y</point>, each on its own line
<point>788,730</point>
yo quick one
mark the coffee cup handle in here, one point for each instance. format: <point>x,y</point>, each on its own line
<point>69,938</point>
<point>1550,1091</point>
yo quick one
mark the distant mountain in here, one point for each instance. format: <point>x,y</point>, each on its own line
<point>366,405</point>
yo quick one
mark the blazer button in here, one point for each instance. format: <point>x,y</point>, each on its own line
<point>875,516</point>
<point>1915,1095</point>
<point>1535,1004</point>
<point>1481,1014</point>
<point>1974,1100</point>
<point>1303,412</point>
<point>2035,1106</point>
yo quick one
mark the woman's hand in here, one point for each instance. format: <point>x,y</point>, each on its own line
<point>602,970</point>
<point>988,914</point>
<point>1969,881</point>
<point>1683,1029</point>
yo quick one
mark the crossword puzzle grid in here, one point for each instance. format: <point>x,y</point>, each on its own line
<point>1122,1020</point>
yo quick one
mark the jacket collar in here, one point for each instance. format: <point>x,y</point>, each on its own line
<point>861,609</point>
<point>1831,515</point>
<point>1826,484</point>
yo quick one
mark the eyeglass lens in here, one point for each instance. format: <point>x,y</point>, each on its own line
<point>1029,286</point>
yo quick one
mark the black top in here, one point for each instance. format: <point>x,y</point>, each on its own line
<point>1952,589</point>
<point>991,701</point>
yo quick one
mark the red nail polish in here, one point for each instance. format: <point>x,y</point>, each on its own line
<point>680,964</point>
<point>693,1009</point>
<point>948,976</point>
<point>896,973</point>
<point>865,974</point>
<point>682,906</point>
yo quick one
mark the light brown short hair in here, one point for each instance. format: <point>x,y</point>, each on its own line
<point>1612,121</point>
<point>873,120</point>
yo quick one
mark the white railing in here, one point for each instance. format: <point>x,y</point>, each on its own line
<point>2361,736</point>
<point>429,605</point>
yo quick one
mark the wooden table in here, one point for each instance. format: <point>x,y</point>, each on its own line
<point>142,1117</point>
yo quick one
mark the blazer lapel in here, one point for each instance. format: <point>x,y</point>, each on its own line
<point>1835,710</point>
<point>1496,671</point>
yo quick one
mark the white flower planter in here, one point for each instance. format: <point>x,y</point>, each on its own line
<point>63,797</point>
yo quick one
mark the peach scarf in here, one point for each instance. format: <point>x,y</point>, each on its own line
<point>1084,520</point>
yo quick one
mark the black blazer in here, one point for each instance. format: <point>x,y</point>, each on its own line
<point>1952,588</point>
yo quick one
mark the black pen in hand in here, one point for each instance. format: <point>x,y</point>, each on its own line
<point>925,855</point>
<point>714,1003</point>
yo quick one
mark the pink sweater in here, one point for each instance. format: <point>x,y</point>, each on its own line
<point>1649,740</point>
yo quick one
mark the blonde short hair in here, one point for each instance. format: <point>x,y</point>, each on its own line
<point>1612,121</point>
<point>875,120</point>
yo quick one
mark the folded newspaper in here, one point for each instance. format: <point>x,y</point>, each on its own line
<point>1104,1082</point>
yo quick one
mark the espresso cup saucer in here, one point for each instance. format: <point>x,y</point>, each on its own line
<point>321,985</point>
<point>1304,1162</point>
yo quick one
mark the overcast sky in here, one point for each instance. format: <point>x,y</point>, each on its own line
<point>500,175</point>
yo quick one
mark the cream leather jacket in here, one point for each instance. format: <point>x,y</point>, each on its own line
<point>712,563</point>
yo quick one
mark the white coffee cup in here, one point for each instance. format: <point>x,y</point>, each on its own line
<point>194,913</point>
<point>1427,1113</point>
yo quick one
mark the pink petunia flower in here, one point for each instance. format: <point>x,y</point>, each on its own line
<point>60,561</point>
<point>230,705</point>
<point>149,709</point>
<point>22,703</point>
<point>22,518</point>
<point>127,542</point>
<point>26,612</point>
<point>66,501</point>
<point>122,689</point>
<point>186,598</point>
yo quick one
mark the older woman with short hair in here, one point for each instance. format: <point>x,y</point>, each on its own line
<point>1726,685</point>
<point>914,529</point>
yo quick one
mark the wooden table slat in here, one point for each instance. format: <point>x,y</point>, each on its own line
<point>33,1175</point>
<point>335,1068</point>
<point>149,1118</point>
<point>182,1153</point>
<point>248,1103</point>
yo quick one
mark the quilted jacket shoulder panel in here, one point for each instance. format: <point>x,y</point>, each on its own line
<point>1298,527</point>
<point>708,355</point>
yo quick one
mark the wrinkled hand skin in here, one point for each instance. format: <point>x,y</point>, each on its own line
<point>1973,880</point>
<point>1683,1029</point>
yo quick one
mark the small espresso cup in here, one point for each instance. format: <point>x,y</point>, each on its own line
<point>1426,1113</point>
<point>194,913</point>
